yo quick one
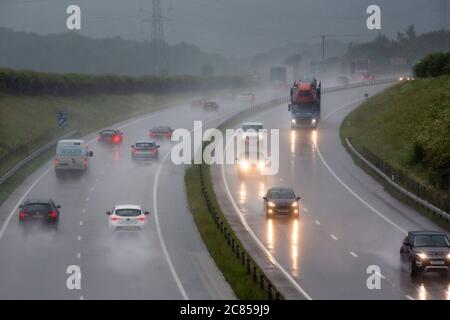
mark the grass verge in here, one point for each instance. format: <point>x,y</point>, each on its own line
<point>232,268</point>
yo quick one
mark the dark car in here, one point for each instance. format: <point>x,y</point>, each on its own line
<point>110,136</point>
<point>210,105</point>
<point>160,131</point>
<point>44,210</point>
<point>144,150</point>
<point>281,201</point>
<point>426,251</point>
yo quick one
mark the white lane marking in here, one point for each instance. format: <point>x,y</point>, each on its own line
<point>317,222</point>
<point>92,188</point>
<point>83,210</point>
<point>409,297</point>
<point>81,223</point>
<point>343,107</point>
<point>158,229</point>
<point>349,189</point>
<point>334,237</point>
<point>97,180</point>
<point>79,238</point>
<point>78,255</point>
<point>81,298</point>
<point>259,243</point>
<point>305,209</point>
<point>8,219</point>
<point>87,199</point>
<point>353,254</point>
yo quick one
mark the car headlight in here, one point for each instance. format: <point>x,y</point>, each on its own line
<point>293,121</point>
<point>261,165</point>
<point>260,136</point>
<point>401,79</point>
<point>244,165</point>
<point>294,204</point>
<point>313,121</point>
<point>448,256</point>
<point>271,204</point>
<point>422,256</point>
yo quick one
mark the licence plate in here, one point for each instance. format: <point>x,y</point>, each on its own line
<point>437,262</point>
<point>128,222</point>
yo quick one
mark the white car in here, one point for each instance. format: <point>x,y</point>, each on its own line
<point>127,218</point>
<point>251,130</point>
<point>72,155</point>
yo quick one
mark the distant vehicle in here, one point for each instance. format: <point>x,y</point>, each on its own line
<point>160,131</point>
<point>44,210</point>
<point>71,155</point>
<point>252,130</point>
<point>305,103</point>
<point>342,81</point>
<point>406,78</point>
<point>227,96</point>
<point>426,251</point>
<point>281,201</point>
<point>252,163</point>
<point>110,136</point>
<point>246,97</point>
<point>144,150</point>
<point>367,76</point>
<point>198,102</point>
<point>210,105</point>
<point>127,218</point>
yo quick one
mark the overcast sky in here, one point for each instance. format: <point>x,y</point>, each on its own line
<point>231,27</point>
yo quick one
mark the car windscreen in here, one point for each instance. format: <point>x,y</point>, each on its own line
<point>302,107</point>
<point>37,207</point>
<point>108,133</point>
<point>255,127</point>
<point>127,212</point>
<point>161,129</point>
<point>431,241</point>
<point>69,152</point>
<point>145,145</point>
<point>283,194</point>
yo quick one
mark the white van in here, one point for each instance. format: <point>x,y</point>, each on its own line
<point>72,155</point>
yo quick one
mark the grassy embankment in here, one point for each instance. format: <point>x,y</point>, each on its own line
<point>408,126</point>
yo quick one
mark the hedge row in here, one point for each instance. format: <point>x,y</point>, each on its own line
<point>41,83</point>
<point>433,65</point>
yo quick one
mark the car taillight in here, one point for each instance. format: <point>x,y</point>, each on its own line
<point>56,162</point>
<point>85,163</point>
<point>141,218</point>
<point>53,214</point>
<point>152,134</point>
<point>116,138</point>
<point>115,218</point>
<point>168,134</point>
<point>22,215</point>
<point>100,138</point>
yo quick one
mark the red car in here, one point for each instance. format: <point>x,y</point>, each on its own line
<point>160,131</point>
<point>110,136</point>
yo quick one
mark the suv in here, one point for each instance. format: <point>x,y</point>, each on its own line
<point>39,209</point>
<point>426,251</point>
<point>281,201</point>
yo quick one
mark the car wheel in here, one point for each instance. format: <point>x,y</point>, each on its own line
<point>413,270</point>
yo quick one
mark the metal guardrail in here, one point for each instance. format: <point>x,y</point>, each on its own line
<point>402,182</point>
<point>33,155</point>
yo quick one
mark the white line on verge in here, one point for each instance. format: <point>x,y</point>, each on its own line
<point>353,254</point>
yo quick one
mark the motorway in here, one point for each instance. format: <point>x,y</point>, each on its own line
<point>168,260</point>
<point>347,223</point>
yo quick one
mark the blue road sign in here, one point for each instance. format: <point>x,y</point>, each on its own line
<point>62,119</point>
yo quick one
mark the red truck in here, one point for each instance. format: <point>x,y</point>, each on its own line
<point>305,104</point>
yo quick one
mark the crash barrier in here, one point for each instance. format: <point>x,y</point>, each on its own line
<point>6,158</point>
<point>241,255</point>
<point>422,195</point>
